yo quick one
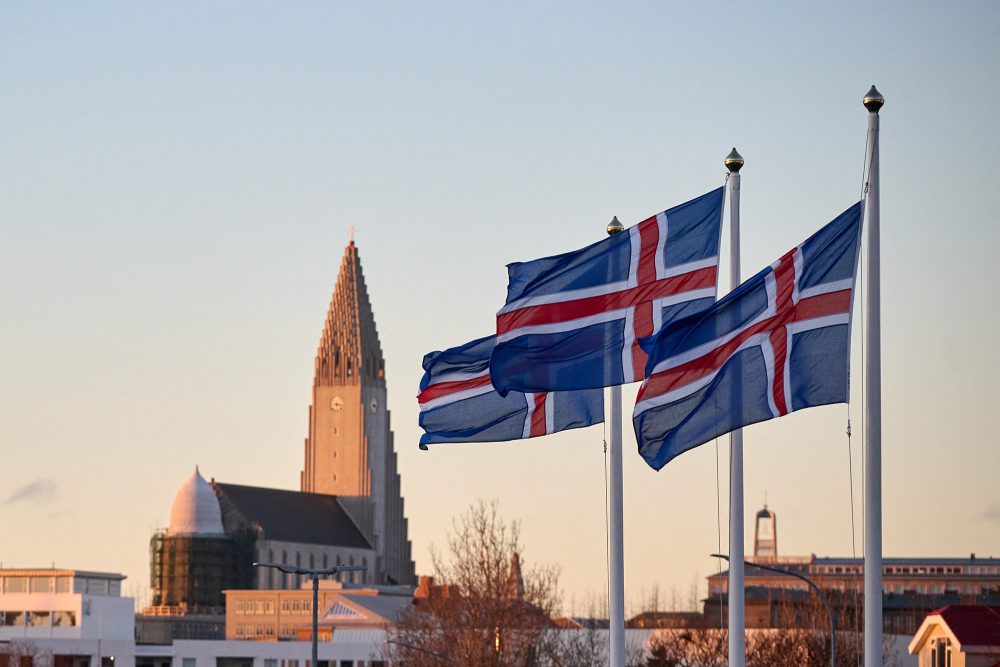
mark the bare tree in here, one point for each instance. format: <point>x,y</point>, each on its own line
<point>17,652</point>
<point>484,607</point>
<point>803,642</point>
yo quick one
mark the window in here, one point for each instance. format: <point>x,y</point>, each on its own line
<point>63,619</point>
<point>270,662</point>
<point>41,584</point>
<point>97,586</point>
<point>188,662</point>
<point>17,584</point>
<point>39,619</point>
<point>64,584</point>
<point>12,618</point>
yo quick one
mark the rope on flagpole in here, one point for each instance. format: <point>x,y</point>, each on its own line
<point>865,171</point>
<point>718,523</point>
<point>854,548</point>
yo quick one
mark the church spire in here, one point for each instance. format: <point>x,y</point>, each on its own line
<point>349,351</point>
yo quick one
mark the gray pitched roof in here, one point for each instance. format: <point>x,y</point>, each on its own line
<point>289,516</point>
<point>389,607</point>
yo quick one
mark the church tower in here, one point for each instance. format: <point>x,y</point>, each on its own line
<point>349,451</point>
<point>765,541</point>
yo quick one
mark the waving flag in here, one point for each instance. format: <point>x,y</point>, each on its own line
<point>458,402</point>
<point>573,321</point>
<point>777,343</point>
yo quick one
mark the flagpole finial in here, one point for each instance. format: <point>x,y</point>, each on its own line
<point>615,226</point>
<point>733,161</point>
<point>873,100</point>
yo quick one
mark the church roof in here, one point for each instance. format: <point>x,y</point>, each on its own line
<point>195,510</point>
<point>290,516</point>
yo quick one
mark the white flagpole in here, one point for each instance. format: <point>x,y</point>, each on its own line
<point>737,620</point>
<point>873,101</point>
<point>616,558</point>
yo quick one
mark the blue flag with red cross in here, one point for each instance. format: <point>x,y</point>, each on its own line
<point>574,321</point>
<point>779,342</point>
<point>459,404</point>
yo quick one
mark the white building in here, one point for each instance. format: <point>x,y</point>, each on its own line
<point>79,617</point>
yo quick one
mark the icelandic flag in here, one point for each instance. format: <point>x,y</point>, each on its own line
<point>459,404</point>
<point>779,342</point>
<point>573,321</point>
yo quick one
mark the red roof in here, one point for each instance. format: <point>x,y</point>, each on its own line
<point>973,625</point>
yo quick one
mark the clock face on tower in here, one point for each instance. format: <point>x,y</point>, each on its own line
<point>336,404</point>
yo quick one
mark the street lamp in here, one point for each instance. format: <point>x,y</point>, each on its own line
<point>315,573</point>
<point>819,594</point>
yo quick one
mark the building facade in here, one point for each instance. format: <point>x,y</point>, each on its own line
<point>78,617</point>
<point>911,587</point>
<point>287,614</point>
<point>958,636</point>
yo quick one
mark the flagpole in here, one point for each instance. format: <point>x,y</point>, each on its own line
<point>737,620</point>
<point>616,558</point>
<point>873,101</point>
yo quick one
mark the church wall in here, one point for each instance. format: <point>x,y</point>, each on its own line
<point>309,555</point>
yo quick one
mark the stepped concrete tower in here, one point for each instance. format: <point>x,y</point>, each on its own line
<point>349,451</point>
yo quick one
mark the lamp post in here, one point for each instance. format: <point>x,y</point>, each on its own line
<point>819,594</point>
<point>315,573</point>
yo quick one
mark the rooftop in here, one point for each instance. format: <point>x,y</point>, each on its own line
<point>59,572</point>
<point>291,516</point>
<point>972,625</point>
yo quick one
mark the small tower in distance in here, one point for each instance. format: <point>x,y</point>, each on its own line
<point>765,541</point>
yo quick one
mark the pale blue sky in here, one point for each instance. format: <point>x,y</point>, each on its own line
<point>177,180</point>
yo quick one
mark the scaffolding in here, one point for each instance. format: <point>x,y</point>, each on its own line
<point>189,573</point>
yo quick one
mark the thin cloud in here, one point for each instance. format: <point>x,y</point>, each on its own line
<point>40,491</point>
<point>992,513</point>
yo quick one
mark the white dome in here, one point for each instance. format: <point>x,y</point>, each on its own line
<point>196,509</point>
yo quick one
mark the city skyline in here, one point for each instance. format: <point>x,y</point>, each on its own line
<point>176,195</point>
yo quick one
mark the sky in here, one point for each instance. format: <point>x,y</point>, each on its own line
<point>177,181</point>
